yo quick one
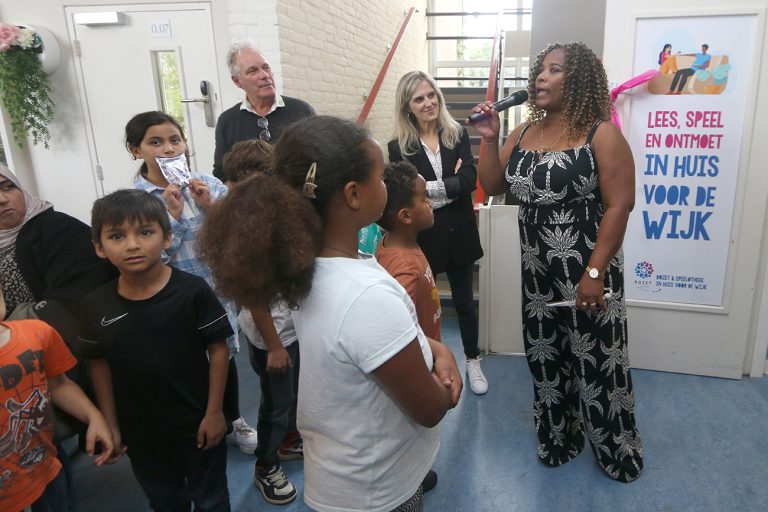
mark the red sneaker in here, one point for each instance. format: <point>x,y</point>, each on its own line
<point>292,448</point>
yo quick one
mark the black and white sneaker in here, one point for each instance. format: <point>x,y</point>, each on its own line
<point>274,485</point>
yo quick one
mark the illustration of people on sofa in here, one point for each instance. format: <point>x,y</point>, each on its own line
<point>701,61</point>
<point>667,61</point>
<point>690,73</point>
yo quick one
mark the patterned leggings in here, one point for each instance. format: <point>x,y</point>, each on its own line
<point>414,504</point>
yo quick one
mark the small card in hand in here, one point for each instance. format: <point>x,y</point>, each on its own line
<point>175,169</point>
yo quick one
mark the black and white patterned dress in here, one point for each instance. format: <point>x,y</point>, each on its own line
<point>15,289</point>
<point>578,360</point>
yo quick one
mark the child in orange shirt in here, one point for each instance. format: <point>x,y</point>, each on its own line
<point>33,359</point>
<point>408,212</point>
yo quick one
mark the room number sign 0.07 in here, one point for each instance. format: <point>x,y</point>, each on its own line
<point>161,28</point>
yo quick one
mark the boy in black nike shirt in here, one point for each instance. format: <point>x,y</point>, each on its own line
<point>156,338</point>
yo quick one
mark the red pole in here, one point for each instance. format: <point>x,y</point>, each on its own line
<point>382,73</point>
<point>491,94</point>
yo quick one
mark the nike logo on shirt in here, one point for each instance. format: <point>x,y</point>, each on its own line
<point>105,322</point>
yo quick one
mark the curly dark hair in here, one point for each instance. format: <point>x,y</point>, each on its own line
<point>262,238</point>
<point>400,179</point>
<point>258,252</point>
<point>586,99</point>
<point>245,158</point>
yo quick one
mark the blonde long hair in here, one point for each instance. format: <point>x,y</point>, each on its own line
<point>406,127</point>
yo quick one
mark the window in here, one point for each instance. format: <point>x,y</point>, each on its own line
<point>3,159</point>
<point>168,83</point>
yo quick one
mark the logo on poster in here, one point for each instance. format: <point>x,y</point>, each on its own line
<point>644,270</point>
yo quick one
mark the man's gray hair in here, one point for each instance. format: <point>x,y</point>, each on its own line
<point>234,51</point>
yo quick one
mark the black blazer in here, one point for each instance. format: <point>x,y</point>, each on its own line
<point>454,237</point>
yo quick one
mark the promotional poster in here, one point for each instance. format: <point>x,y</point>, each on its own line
<point>685,129</point>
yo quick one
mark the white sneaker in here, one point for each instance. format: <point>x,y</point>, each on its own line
<point>477,381</point>
<point>243,435</point>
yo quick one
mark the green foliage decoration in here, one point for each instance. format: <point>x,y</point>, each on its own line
<point>24,87</point>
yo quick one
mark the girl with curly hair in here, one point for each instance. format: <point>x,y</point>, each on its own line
<point>371,385</point>
<point>573,174</point>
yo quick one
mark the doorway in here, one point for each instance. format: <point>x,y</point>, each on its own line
<point>136,58</point>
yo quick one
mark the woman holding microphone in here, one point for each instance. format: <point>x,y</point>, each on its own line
<point>573,174</point>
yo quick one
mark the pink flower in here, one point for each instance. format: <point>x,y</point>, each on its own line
<point>9,34</point>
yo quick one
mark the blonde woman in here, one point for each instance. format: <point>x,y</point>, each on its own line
<point>427,136</point>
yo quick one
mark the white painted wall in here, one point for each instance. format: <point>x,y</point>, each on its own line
<point>556,21</point>
<point>658,337</point>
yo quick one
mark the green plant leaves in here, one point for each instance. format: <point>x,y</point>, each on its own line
<point>26,94</point>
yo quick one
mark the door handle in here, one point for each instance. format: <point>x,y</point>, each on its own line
<point>205,90</point>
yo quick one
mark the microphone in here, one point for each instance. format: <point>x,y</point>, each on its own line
<point>513,99</point>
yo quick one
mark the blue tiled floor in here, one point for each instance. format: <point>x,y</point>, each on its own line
<point>706,442</point>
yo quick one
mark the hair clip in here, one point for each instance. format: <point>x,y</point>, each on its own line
<point>309,182</point>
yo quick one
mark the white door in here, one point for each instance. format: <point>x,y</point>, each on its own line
<point>135,58</point>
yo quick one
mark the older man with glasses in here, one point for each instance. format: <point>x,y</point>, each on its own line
<point>263,114</point>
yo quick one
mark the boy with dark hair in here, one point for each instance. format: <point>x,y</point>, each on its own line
<point>409,211</point>
<point>156,340</point>
<point>33,359</point>
<point>245,158</point>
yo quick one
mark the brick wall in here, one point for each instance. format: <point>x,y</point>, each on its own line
<point>333,51</point>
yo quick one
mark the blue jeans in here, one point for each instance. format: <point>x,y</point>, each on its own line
<point>174,477</point>
<point>277,409</point>
<point>56,497</point>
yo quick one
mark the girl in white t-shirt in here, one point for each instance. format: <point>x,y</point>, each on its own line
<point>371,386</point>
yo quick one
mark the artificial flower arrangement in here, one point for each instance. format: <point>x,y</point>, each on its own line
<point>24,86</point>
